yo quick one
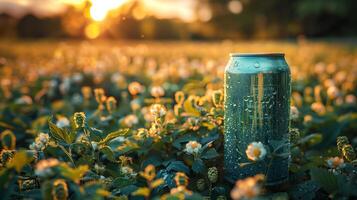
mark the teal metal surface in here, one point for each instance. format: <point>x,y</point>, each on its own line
<point>257,106</point>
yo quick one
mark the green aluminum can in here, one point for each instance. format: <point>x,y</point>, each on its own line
<point>257,108</point>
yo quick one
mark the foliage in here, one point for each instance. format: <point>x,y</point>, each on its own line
<point>155,128</point>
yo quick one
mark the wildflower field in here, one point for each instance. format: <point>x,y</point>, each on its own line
<point>144,120</point>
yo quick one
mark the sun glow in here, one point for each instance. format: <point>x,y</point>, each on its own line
<point>100,8</point>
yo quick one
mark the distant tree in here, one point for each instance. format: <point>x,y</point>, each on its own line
<point>30,26</point>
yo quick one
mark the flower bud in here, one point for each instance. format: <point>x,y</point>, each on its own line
<point>217,98</point>
<point>212,174</point>
<point>28,185</point>
<point>178,109</point>
<point>181,179</point>
<point>111,104</point>
<point>294,135</point>
<point>8,140</point>
<point>60,190</point>
<point>341,141</point>
<point>200,184</point>
<point>86,92</point>
<point>99,95</point>
<point>348,152</point>
<point>6,156</point>
<point>79,119</point>
<point>179,97</point>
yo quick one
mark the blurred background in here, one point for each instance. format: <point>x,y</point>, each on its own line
<point>177,19</point>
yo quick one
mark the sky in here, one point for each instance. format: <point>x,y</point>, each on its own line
<point>183,9</point>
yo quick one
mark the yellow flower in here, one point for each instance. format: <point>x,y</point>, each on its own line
<point>181,179</point>
<point>256,151</point>
<point>149,172</point>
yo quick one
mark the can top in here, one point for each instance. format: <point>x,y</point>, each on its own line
<point>270,54</point>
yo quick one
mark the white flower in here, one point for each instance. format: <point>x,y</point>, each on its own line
<point>77,77</point>
<point>95,145</point>
<point>135,104</point>
<point>135,88</point>
<point>350,99</point>
<point>128,171</point>
<point>294,113</point>
<point>65,85</point>
<point>157,91</point>
<point>256,151</point>
<point>24,100</point>
<point>193,147</point>
<point>333,92</point>
<point>157,110</point>
<point>43,167</point>
<point>131,120</point>
<point>40,142</point>
<point>335,162</point>
<point>247,188</point>
<point>62,122</point>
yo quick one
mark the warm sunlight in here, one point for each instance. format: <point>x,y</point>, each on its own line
<point>99,8</point>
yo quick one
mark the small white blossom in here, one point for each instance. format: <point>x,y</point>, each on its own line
<point>294,113</point>
<point>335,162</point>
<point>63,122</point>
<point>131,120</point>
<point>43,167</point>
<point>256,151</point>
<point>157,91</point>
<point>40,142</point>
<point>95,145</point>
<point>24,100</point>
<point>77,77</point>
<point>157,110</point>
<point>193,147</point>
<point>128,171</point>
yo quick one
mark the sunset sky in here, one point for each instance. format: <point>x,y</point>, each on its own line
<point>183,9</point>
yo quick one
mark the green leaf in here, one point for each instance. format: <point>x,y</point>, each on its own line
<point>46,189</point>
<point>311,139</point>
<point>123,182</point>
<point>178,166</point>
<point>305,190</point>
<point>327,180</point>
<point>73,174</point>
<point>210,153</point>
<point>108,152</point>
<point>198,166</point>
<point>21,158</point>
<point>113,135</point>
<point>59,134</point>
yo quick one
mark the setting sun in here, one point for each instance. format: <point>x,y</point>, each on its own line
<point>99,8</point>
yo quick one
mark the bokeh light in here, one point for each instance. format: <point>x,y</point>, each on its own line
<point>235,6</point>
<point>100,8</point>
<point>92,31</point>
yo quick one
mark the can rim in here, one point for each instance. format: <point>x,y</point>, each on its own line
<point>271,54</point>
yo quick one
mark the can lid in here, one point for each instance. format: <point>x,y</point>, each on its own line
<point>271,54</point>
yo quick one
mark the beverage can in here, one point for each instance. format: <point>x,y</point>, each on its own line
<point>257,109</point>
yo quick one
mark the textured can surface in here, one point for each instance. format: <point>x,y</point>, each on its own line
<point>257,108</point>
